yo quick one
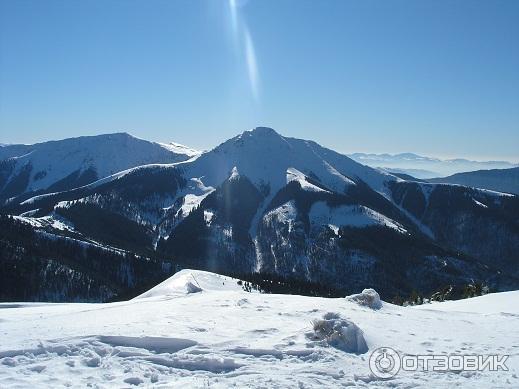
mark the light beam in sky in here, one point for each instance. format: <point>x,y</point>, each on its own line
<point>242,35</point>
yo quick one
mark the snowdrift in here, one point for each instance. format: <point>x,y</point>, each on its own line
<point>191,281</point>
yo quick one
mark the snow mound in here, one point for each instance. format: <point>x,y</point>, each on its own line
<point>191,281</point>
<point>339,333</point>
<point>368,298</point>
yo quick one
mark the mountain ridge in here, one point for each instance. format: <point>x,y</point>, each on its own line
<point>262,202</point>
<point>500,180</point>
<point>64,164</point>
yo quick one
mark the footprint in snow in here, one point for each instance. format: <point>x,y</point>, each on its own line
<point>134,381</point>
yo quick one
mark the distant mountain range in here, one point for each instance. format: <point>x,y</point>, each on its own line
<point>426,167</point>
<point>258,203</point>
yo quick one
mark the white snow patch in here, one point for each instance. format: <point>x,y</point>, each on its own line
<point>227,232</point>
<point>234,174</point>
<point>52,221</point>
<point>191,201</point>
<point>349,215</point>
<point>192,195</point>
<point>296,175</point>
<point>178,148</point>
<point>479,203</point>
<point>208,217</point>
<point>285,213</point>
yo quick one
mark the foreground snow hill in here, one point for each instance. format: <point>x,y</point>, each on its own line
<point>199,329</point>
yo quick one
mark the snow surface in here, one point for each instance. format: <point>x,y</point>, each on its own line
<point>192,196</point>
<point>349,215</point>
<point>178,148</point>
<point>479,203</point>
<point>53,221</point>
<point>297,176</point>
<point>222,336</point>
<point>503,303</point>
<point>285,213</point>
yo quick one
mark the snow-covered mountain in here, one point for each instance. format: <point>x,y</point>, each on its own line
<point>426,167</point>
<point>502,180</point>
<point>287,207</point>
<point>65,164</point>
<point>200,329</point>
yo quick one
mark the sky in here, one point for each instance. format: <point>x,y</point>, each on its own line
<point>438,78</point>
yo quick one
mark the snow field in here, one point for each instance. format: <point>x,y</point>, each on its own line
<point>220,336</point>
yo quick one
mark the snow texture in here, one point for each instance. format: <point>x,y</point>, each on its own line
<point>347,215</point>
<point>225,337</point>
<point>339,333</point>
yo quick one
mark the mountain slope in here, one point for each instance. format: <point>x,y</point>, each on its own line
<point>500,180</point>
<point>62,165</point>
<point>40,262</point>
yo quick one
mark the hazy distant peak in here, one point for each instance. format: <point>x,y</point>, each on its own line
<point>425,167</point>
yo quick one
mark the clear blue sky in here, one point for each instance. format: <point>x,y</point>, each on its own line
<point>434,77</point>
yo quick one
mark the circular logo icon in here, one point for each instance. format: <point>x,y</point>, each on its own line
<point>384,362</point>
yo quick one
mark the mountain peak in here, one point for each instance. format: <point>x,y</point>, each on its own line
<point>258,139</point>
<point>262,131</point>
<point>263,135</point>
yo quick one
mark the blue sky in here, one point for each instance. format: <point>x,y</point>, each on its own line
<point>439,78</point>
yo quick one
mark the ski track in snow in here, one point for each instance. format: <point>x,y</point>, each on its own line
<point>178,336</point>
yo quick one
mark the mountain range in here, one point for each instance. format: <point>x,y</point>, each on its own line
<point>426,167</point>
<point>259,203</point>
